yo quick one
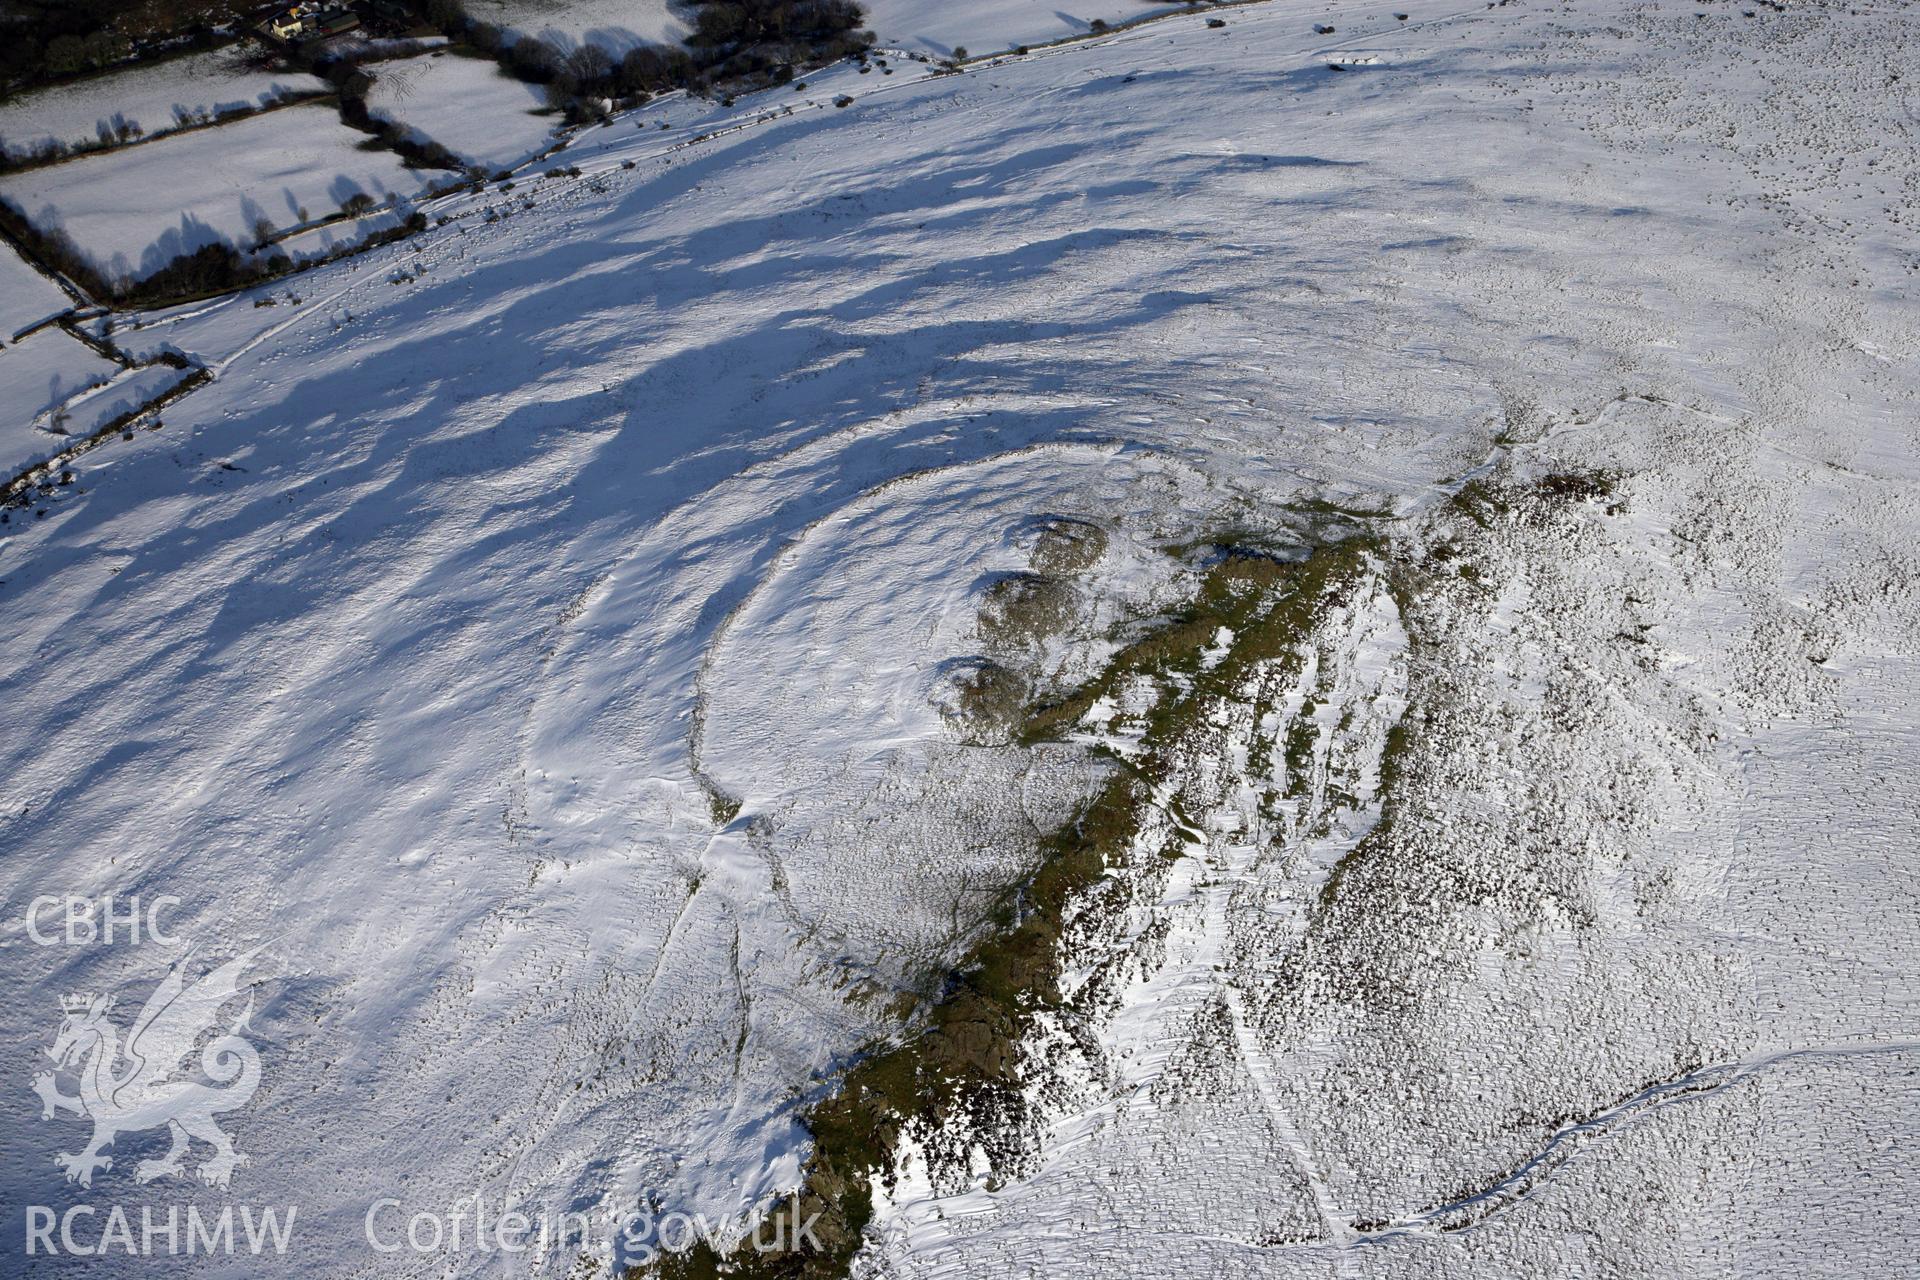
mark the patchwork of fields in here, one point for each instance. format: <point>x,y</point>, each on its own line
<point>265,174</point>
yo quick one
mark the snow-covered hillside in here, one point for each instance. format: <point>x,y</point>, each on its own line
<point>555,642</point>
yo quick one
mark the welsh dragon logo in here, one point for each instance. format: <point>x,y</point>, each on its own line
<point>147,1083</point>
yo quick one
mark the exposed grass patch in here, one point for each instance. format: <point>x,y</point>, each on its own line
<point>1064,545</point>
<point>1023,609</point>
<point>984,701</point>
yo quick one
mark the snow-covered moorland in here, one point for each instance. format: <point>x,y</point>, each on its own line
<point>614,653</point>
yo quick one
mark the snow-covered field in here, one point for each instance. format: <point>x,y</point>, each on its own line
<point>149,100</point>
<point>26,296</point>
<point>467,105</point>
<point>993,25</point>
<point>541,640</point>
<point>132,211</point>
<point>37,375</point>
<point>614,25</point>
